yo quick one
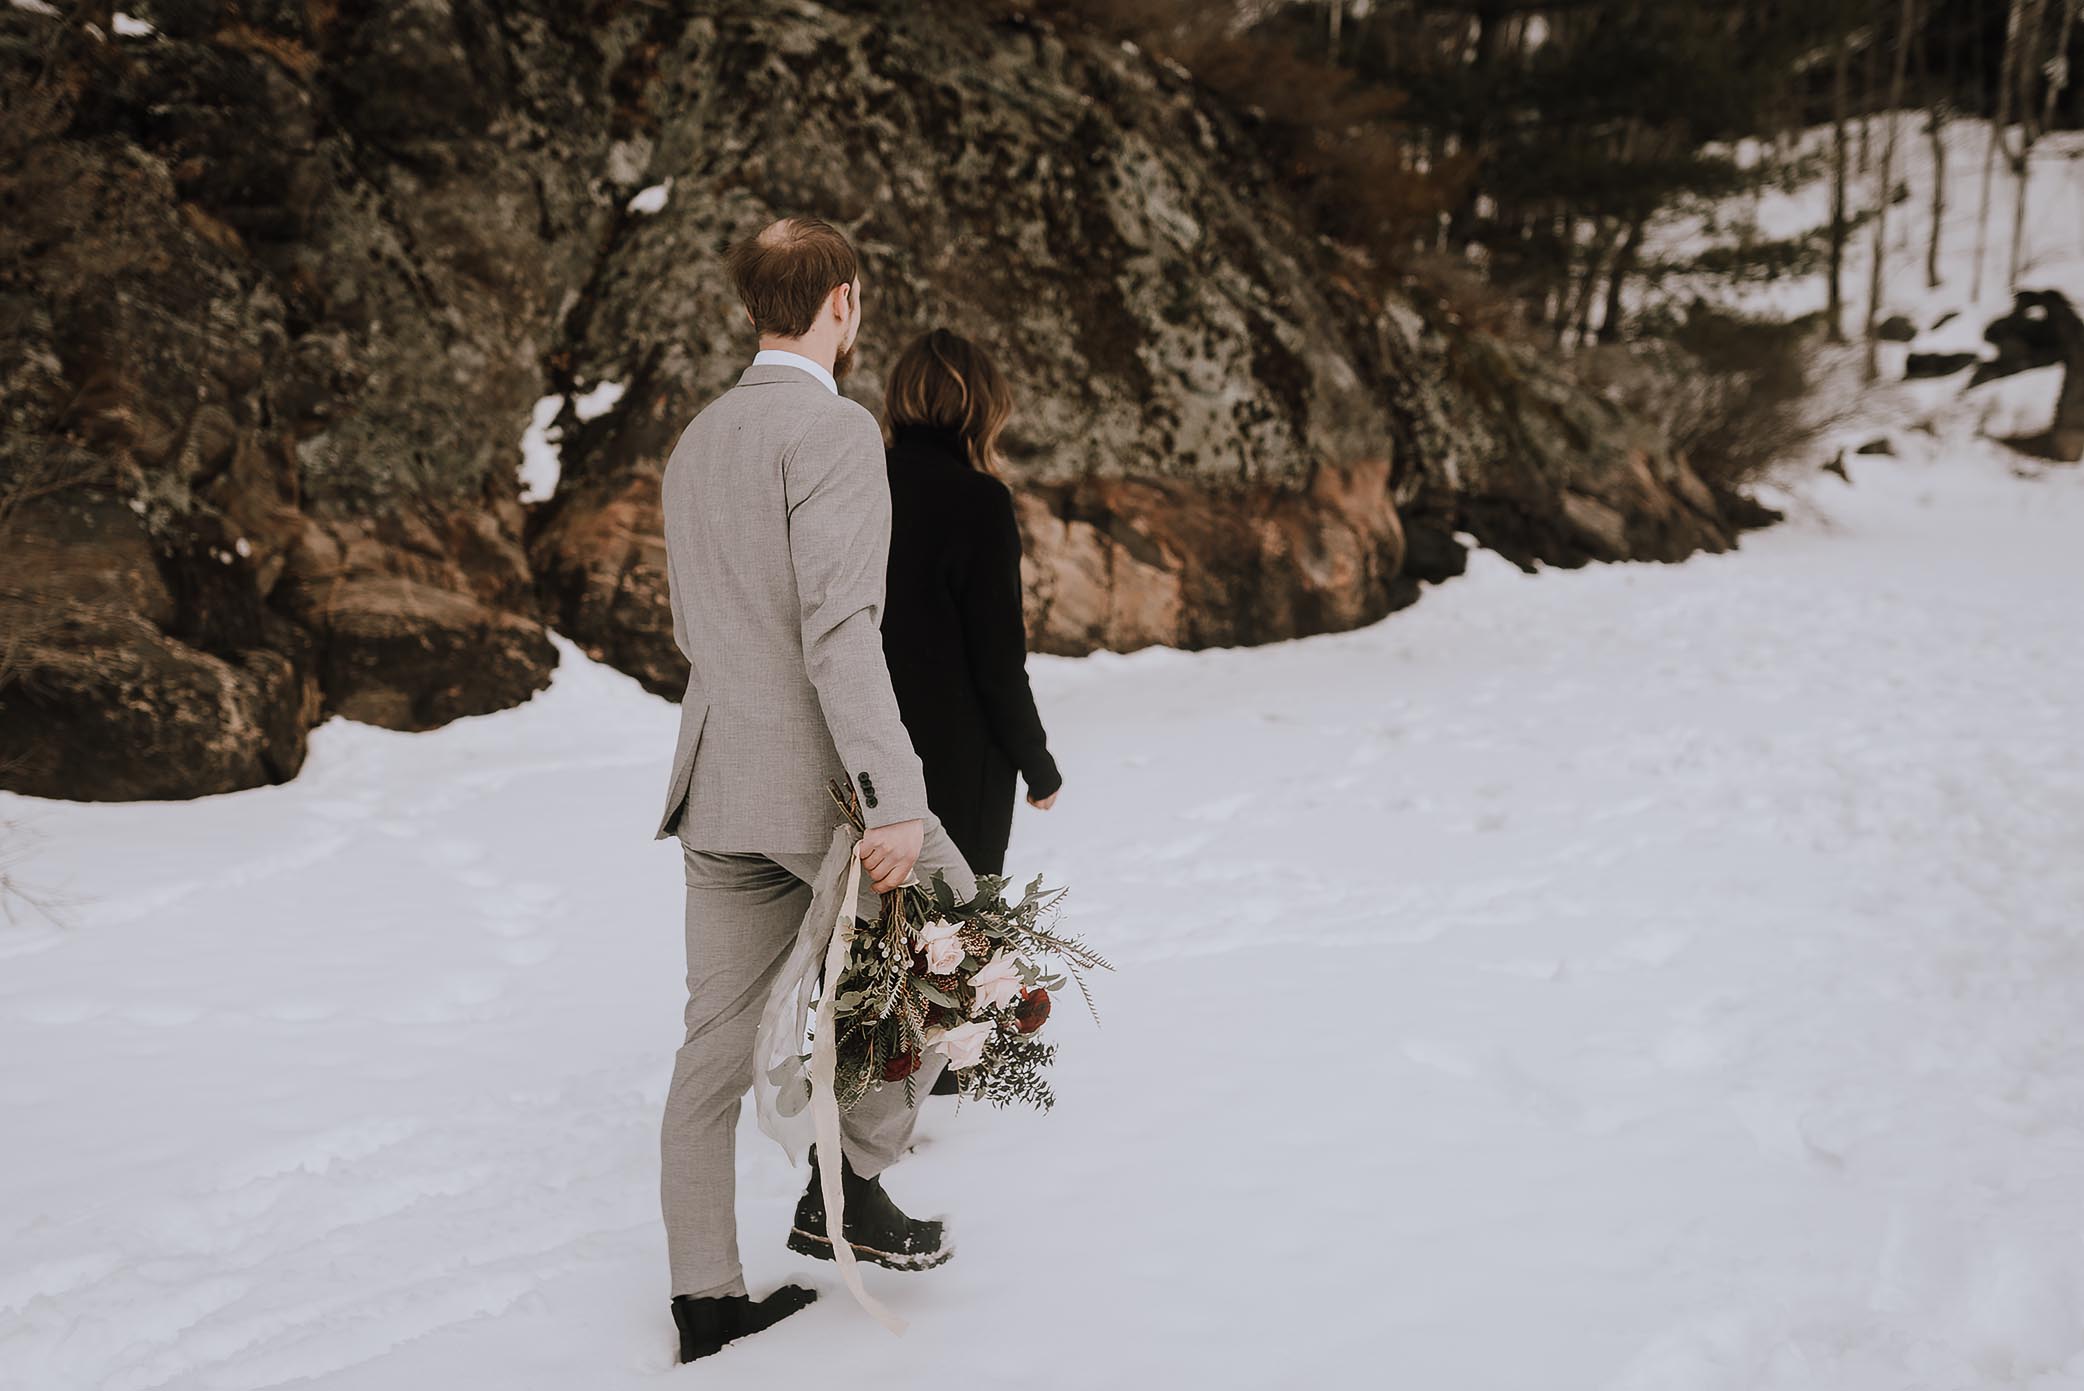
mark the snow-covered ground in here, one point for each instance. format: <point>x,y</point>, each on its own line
<point>1648,978</point>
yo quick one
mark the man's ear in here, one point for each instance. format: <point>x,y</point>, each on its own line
<point>750,321</point>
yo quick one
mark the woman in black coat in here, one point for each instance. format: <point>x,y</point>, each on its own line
<point>952,627</point>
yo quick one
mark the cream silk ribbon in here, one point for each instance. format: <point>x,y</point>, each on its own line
<point>824,1104</point>
<point>781,1072</point>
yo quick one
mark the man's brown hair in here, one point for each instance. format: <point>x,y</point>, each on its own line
<point>785,272</point>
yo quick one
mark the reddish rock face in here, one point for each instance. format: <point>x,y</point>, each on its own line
<point>114,687</point>
<point>601,553</point>
<point>1121,564</point>
<point>1110,563</point>
<point>132,669</point>
<point>408,635</point>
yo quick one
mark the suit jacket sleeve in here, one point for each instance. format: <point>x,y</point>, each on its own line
<point>996,640</point>
<point>838,498</point>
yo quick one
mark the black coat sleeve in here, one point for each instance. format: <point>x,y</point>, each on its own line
<point>996,641</point>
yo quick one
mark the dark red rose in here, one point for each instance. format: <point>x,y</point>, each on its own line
<point>901,1067</point>
<point>1032,1009</point>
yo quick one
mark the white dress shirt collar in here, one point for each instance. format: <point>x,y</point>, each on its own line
<point>778,357</point>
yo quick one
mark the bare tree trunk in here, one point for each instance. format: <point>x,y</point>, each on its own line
<point>2058,69</point>
<point>1999,118</point>
<point>1888,192</point>
<point>1482,46</point>
<point>2021,167</point>
<point>1578,319</point>
<point>2026,31</point>
<point>1982,214</point>
<point>1870,83</point>
<point>1834,311</point>
<point>1936,128</point>
<point>1937,94</point>
<point>1555,292</point>
<point>1624,266</point>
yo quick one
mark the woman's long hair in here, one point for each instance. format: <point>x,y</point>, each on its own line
<point>944,380</point>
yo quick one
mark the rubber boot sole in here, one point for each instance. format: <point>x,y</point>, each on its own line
<point>818,1246</point>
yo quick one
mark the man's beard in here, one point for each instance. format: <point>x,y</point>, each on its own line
<point>842,363</point>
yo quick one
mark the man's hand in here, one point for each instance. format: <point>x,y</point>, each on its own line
<point>1046,803</point>
<point>889,852</point>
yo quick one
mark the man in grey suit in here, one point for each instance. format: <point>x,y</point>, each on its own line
<point>777,521</point>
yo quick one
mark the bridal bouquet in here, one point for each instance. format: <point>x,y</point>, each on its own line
<point>972,980</point>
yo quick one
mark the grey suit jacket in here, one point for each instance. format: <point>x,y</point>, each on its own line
<point>777,519</point>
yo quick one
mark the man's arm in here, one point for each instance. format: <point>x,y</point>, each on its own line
<point>838,498</point>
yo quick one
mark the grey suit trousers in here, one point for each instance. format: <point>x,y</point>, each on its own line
<point>743,911</point>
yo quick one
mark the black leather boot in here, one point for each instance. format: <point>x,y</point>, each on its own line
<point>877,1230</point>
<point>706,1325</point>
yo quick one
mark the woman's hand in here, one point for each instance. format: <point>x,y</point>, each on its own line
<point>1046,803</point>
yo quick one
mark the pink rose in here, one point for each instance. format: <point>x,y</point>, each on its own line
<point>997,984</point>
<point>942,942</point>
<point>963,1044</point>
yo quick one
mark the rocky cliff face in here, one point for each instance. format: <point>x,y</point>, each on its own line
<point>281,284</point>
